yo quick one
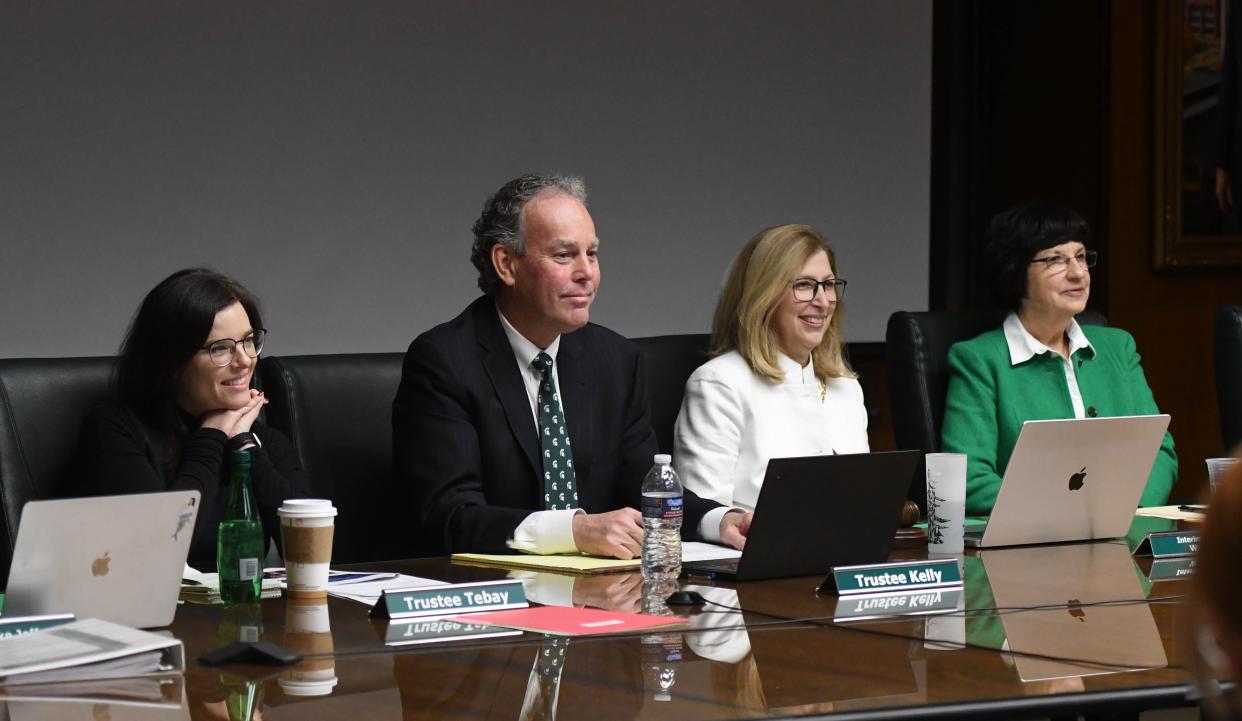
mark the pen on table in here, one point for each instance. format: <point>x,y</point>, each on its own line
<point>367,578</point>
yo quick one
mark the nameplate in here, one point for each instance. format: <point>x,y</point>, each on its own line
<point>450,599</point>
<point>1171,569</point>
<point>1169,544</point>
<point>864,606</point>
<point>21,625</point>
<point>436,630</point>
<point>890,577</point>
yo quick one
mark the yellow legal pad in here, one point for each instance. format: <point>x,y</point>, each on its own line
<point>569,563</point>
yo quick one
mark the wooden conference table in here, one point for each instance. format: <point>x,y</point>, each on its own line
<point>788,652</point>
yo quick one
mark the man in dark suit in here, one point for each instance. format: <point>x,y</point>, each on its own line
<point>519,424</point>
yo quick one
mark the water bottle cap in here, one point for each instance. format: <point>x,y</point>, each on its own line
<point>663,459</point>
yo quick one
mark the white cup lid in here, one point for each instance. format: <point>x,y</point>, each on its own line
<point>306,507</point>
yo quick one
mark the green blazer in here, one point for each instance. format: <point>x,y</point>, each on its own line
<point>989,399</point>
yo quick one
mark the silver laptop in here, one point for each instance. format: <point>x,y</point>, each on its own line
<point>118,558</point>
<point>1094,618</point>
<point>1073,480</point>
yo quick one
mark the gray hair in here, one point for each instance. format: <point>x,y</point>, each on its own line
<point>500,222</point>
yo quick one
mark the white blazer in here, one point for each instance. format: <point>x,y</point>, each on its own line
<point>732,421</point>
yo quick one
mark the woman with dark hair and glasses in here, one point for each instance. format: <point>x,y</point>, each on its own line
<point>778,384</point>
<point>1041,364</point>
<point>183,386</point>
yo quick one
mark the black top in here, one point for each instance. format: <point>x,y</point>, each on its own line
<point>118,453</point>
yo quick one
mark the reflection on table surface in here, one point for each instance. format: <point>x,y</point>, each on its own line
<point>755,649</point>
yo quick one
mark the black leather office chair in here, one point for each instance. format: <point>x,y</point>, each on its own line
<point>1228,351</point>
<point>669,360</point>
<point>337,409</point>
<point>917,345</point>
<point>42,403</point>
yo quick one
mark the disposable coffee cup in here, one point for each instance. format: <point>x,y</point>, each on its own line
<point>1217,468</point>
<point>946,502</point>
<point>306,538</point>
<point>308,632</point>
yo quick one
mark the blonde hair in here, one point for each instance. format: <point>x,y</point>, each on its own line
<point>757,282</point>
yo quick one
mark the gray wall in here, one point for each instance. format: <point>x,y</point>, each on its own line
<point>332,156</point>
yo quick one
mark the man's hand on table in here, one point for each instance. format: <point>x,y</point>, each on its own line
<point>618,534</point>
<point>734,527</point>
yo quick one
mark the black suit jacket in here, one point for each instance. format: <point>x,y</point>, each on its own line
<point>464,436</point>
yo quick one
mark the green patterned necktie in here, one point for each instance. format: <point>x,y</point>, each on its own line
<point>559,488</point>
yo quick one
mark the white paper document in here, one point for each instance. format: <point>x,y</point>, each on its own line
<point>368,592</point>
<point>697,551</point>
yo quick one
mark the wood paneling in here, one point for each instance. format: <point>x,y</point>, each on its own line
<point>1170,315</point>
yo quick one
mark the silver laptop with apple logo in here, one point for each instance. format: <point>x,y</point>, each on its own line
<point>1073,480</point>
<point>118,558</point>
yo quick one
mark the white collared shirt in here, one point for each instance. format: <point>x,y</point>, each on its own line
<point>1023,346</point>
<point>542,531</point>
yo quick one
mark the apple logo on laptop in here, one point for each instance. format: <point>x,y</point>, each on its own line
<point>1076,480</point>
<point>100,566</point>
<point>1075,610</point>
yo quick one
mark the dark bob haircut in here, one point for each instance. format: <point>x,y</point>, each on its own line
<point>170,327</point>
<point>1016,236</point>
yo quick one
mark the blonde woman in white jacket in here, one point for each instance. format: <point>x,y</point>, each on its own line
<point>778,385</point>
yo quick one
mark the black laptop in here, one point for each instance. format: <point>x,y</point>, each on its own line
<point>817,512</point>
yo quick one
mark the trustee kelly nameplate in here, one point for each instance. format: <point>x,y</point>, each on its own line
<point>890,577</point>
<point>866,606</point>
<point>1169,544</point>
<point>450,599</point>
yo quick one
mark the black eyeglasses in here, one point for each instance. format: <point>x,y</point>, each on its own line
<point>223,351</point>
<point>1060,263</point>
<point>805,289</point>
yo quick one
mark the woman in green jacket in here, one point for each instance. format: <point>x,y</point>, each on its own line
<point>1040,364</point>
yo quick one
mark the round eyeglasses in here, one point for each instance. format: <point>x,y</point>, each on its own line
<point>805,289</point>
<point>222,352</point>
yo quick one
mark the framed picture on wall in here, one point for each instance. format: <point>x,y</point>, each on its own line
<point>1198,156</point>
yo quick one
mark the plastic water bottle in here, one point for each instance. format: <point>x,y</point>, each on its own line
<point>240,545</point>
<point>662,520</point>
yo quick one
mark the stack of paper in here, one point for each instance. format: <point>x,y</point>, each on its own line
<point>1175,513</point>
<point>581,564</point>
<point>87,649</point>
<point>199,587</point>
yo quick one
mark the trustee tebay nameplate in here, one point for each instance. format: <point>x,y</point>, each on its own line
<point>450,599</point>
<point>1169,544</point>
<point>890,577</point>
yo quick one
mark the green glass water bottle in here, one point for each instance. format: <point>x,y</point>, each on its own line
<point>240,547</point>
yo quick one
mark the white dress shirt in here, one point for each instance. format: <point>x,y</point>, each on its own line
<point>541,531</point>
<point>1023,346</point>
<point>732,421</point>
